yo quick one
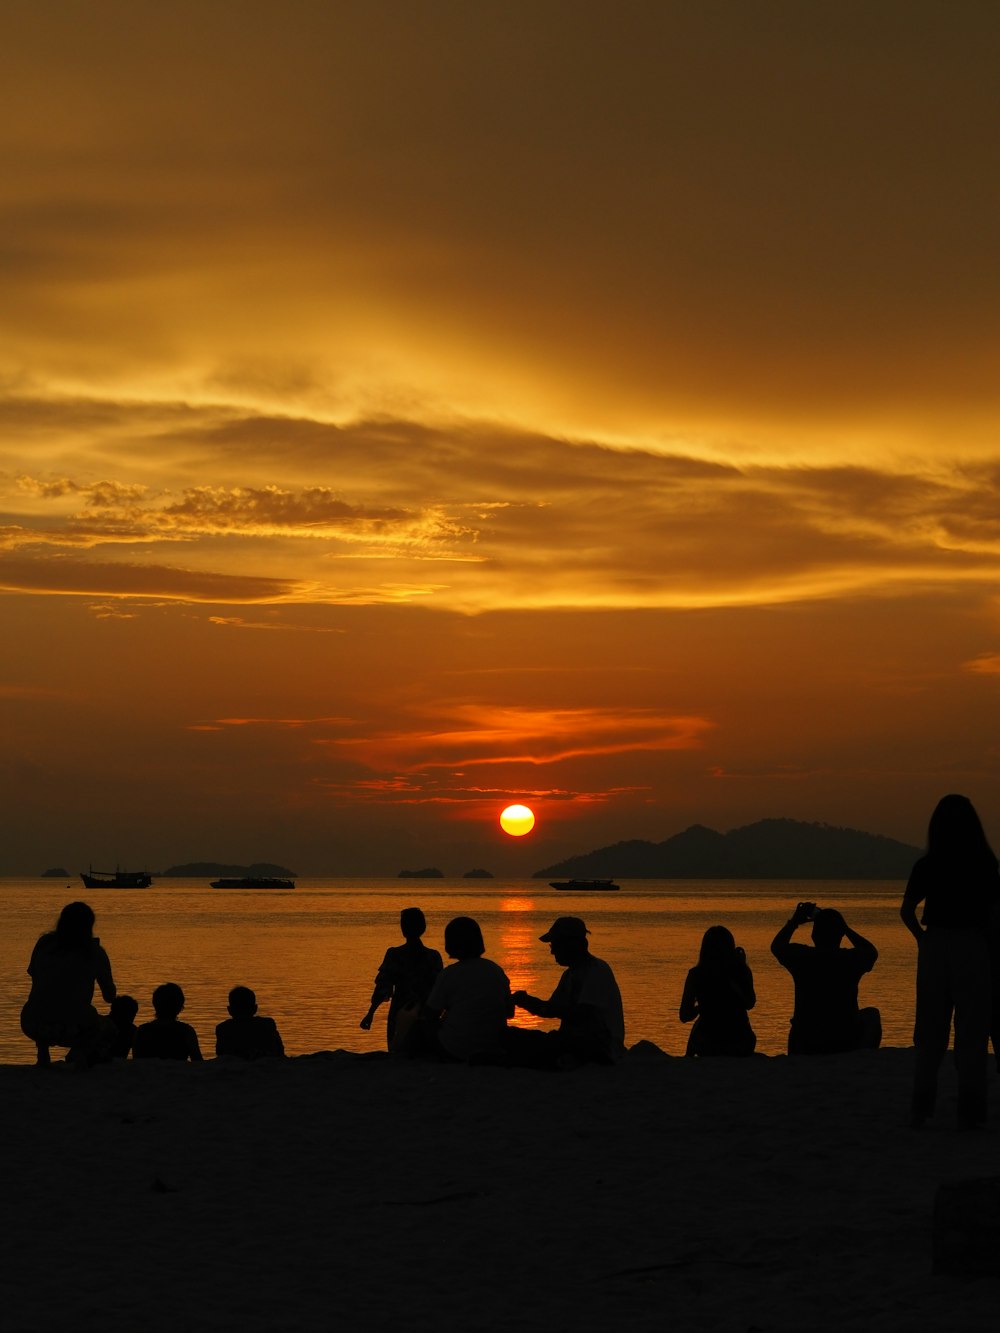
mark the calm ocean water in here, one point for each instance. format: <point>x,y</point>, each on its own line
<point>311,953</point>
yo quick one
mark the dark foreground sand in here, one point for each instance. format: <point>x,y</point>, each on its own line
<point>342,1192</point>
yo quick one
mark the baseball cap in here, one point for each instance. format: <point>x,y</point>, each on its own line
<point>565,928</point>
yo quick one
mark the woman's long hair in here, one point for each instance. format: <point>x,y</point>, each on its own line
<point>955,833</point>
<point>75,927</point>
<point>717,948</point>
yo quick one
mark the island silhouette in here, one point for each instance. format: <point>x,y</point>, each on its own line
<point>217,870</point>
<point>767,849</point>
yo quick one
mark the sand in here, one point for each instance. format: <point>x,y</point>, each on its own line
<point>347,1192</point>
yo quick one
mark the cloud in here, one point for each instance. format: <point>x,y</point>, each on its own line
<point>74,578</point>
<point>512,518</point>
<point>986,665</point>
<point>480,734</point>
<point>692,217</point>
<point>238,622</point>
<point>467,801</point>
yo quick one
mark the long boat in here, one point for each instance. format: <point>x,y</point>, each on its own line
<point>586,885</point>
<point>253,882</point>
<point>116,879</point>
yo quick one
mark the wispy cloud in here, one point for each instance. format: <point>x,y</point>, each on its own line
<point>74,578</point>
<point>483,735</point>
<point>514,519</point>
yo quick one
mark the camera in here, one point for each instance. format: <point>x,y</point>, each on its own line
<point>808,911</point>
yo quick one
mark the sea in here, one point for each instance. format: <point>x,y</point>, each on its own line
<point>311,952</point>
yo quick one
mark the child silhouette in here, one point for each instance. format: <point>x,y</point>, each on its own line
<point>246,1033</point>
<point>166,1037</point>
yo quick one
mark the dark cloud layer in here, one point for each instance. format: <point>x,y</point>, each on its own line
<point>663,210</point>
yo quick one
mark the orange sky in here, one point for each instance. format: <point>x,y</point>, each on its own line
<point>406,409</point>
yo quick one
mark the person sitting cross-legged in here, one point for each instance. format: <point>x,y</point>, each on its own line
<point>826,1017</point>
<point>586,1001</point>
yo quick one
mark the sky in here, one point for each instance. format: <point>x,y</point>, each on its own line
<point>411,408</point>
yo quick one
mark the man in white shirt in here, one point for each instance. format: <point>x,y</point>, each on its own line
<point>586,1001</point>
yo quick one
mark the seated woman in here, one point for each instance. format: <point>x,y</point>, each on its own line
<point>470,1002</point>
<point>717,994</point>
<point>66,964</point>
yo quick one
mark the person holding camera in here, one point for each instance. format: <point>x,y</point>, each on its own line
<point>826,1017</point>
<point>718,992</point>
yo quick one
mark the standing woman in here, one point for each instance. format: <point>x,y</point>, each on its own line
<point>958,884</point>
<point>66,964</point>
<point>718,992</point>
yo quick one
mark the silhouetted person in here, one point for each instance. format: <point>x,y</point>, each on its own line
<point>407,973</point>
<point>166,1037</point>
<point>586,1001</point>
<point>957,882</point>
<point>826,1018</point>
<point>66,964</point>
<point>122,1014</point>
<point>245,1032</point>
<point>718,992</point>
<point>470,1002</point>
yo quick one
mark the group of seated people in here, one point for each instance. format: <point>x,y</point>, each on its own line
<point>244,1033</point>
<point>826,1018</point>
<point>462,1012</point>
<point>66,966</point>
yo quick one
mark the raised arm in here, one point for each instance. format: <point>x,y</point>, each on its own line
<point>867,951</point>
<point>783,938</point>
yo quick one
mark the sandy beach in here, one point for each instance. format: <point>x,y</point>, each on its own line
<point>365,1193</point>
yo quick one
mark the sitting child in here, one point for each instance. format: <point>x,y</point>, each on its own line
<point>122,1014</point>
<point>247,1033</point>
<point>166,1037</point>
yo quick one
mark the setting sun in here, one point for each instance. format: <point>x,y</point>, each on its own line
<point>517,820</point>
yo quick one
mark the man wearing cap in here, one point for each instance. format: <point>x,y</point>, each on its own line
<point>586,1001</point>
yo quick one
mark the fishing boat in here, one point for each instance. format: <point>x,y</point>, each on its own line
<point>586,885</point>
<point>116,879</point>
<point>253,882</point>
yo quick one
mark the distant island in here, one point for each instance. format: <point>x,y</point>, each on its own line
<point>431,872</point>
<point>56,872</point>
<point>216,870</point>
<point>477,874</point>
<point>768,849</point>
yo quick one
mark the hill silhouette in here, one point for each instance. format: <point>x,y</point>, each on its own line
<point>768,849</point>
<point>214,870</point>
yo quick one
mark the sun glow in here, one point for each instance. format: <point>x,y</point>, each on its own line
<point>517,820</point>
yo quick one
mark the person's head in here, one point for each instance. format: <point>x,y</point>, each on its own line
<point>955,831</point>
<point>123,1009</point>
<point>828,928</point>
<point>168,1000</point>
<point>242,1002</point>
<point>75,926</point>
<point>412,923</point>
<point>463,938</point>
<point>717,946</point>
<point>567,940</point>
